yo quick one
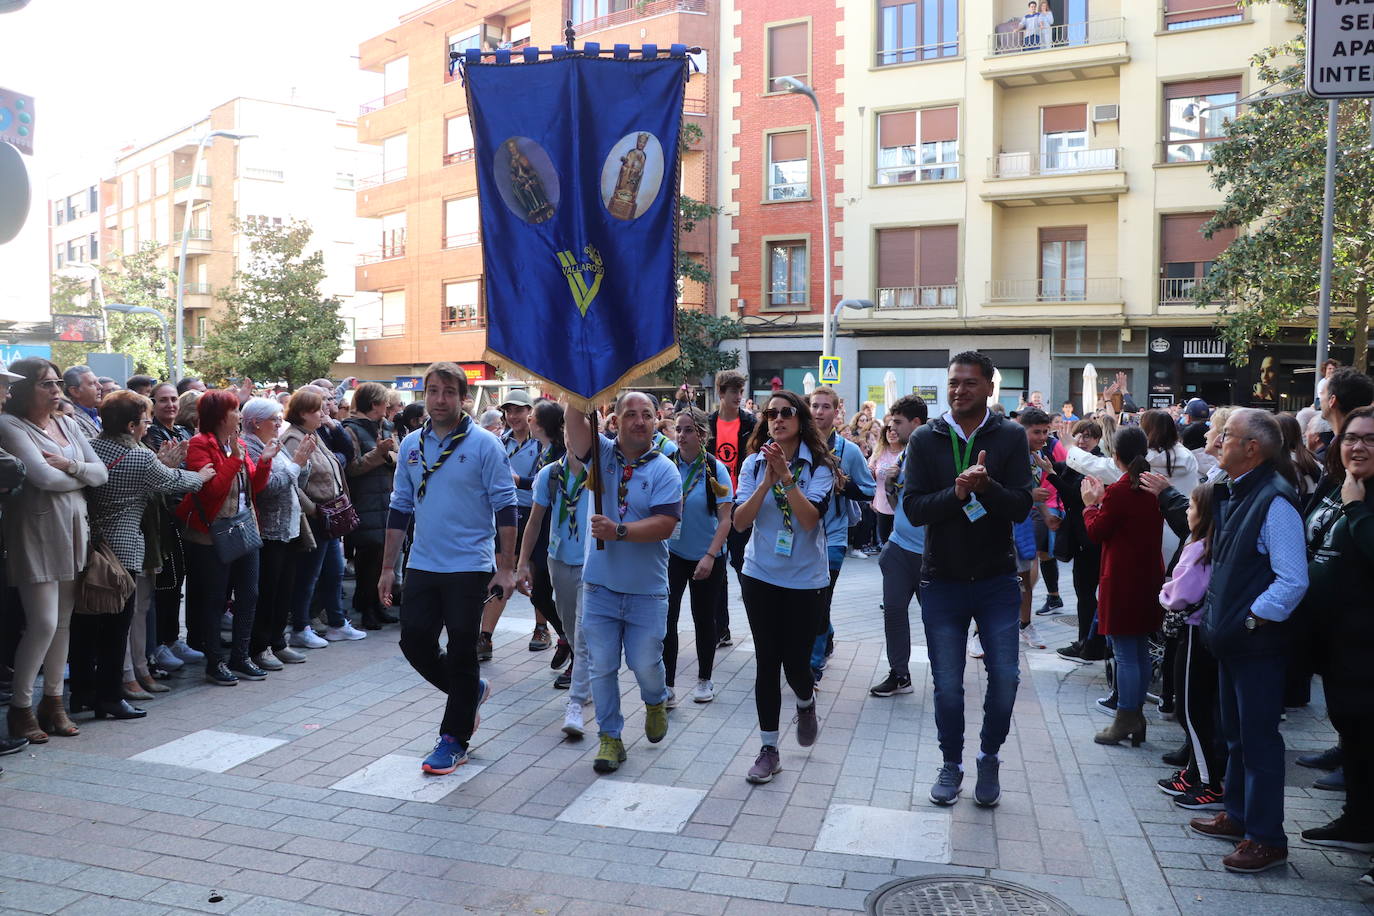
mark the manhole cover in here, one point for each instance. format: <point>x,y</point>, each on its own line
<point>1068,620</point>
<point>959,896</point>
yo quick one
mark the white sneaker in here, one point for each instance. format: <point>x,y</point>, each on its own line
<point>703,692</point>
<point>572,720</point>
<point>186,653</point>
<point>338,634</point>
<point>671,702</point>
<point>166,659</point>
<point>858,555</point>
<point>306,639</point>
<point>1031,638</point>
<point>267,661</point>
<point>975,646</point>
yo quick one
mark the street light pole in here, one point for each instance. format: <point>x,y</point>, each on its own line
<point>126,309</point>
<point>205,141</point>
<point>1328,225</point>
<point>827,317</point>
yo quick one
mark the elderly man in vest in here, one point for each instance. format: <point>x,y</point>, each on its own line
<point>1259,574</point>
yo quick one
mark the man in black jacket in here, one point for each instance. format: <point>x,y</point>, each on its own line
<point>731,427</point>
<point>968,482</point>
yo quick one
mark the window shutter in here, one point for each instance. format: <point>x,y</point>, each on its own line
<point>1058,119</point>
<point>1195,10</point>
<point>786,147</point>
<point>1181,239</point>
<point>897,128</point>
<point>787,52</point>
<point>1194,88</point>
<point>939,124</point>
<point>939,256</point>
<point>896,258</point>
<point>1064,234</point>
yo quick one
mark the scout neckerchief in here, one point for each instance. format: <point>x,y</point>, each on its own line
<point>780,495</point>
<point>570,494</point>
<point>519,446</point>
<point>546,457</point>
<point>626,472</point>
<point>692,470</point>
<point>446,448</point>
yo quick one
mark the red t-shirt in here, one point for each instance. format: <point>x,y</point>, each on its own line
<point>727,446</point>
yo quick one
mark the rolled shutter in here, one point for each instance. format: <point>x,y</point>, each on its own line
<point>1194,88</point>
<point>897,128</point>
<point>786,147</point>
<point>939,124</point>
<point>1181,239</point>
<point>939,256</point>
<point>1176,11</point>
<point>896,258</point>
<point>787,51</point>
<point>1059,119</point>
<point>1064,234</point>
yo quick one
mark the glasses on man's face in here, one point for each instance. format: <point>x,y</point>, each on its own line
<point>1353,439</point>
<point>1224,435</point>
<point>774,413</point>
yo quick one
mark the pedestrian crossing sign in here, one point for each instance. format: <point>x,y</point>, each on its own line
<point>830,370</point>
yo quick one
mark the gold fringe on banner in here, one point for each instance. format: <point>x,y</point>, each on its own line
<point>576,401</point>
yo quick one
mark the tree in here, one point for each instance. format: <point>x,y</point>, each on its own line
<point>1271,167</point>
<point>277,326</point>
<point>64,299</point>
<point>133,278</point>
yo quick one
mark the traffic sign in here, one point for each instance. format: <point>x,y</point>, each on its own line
<point>1340,49</point>
<point>830,370</point>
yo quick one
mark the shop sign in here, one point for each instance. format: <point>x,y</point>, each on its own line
<point>1160,345</point>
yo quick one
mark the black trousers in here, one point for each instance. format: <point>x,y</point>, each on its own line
<point>211,579</point>
<point>1087,569</point>
<point>885,522</point>
<point>704,594</point>
<point>452,602</point>
<point>96,653</point>
<point>783,623</point>
<point>735,542</point>
<point>1197,713</point>
<point>11,620</point>
<point>367,569</point>
<point>276,579</point>
<point>1354,720</point>
<point>541,592</point>
<point>823,611</point>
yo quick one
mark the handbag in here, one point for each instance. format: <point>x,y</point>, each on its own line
<point>105,585</point>
<point>234,537</point>
<point>337,515</point>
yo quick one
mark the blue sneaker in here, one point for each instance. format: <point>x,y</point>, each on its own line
<point>483,694</point>
<point>448,755</point>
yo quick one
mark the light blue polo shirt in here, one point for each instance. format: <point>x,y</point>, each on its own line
<point>855,466</point>
<point>523,460</point>
<point>628,567</point>
<point>698,522</point>
<point>665,445</point>
<point>455,527</point>
<point>566,543</point>
<point>909,537</point>
<point>807,567</point>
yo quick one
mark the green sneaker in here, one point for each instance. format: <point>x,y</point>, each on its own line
<point>656,721</point>
<point>611,755</point>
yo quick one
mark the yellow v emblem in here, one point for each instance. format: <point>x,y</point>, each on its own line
<point>575,272</point>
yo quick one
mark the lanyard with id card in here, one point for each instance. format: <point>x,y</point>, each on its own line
<point>783,546</point>
<point>973,509</point>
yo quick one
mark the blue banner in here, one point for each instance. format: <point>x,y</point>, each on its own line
<point>577,171</point>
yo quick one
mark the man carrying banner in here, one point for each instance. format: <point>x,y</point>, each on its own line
<point>452,481</point>
<point>625,586</point>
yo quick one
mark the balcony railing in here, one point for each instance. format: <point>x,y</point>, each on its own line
<point>639,11</point>
<point>1179,291</point>
<point>387,253</point>
<point>265,174</point>
<point>887,57</point>
<point>797,190</point>
<point>918,173</point>
<point>197,289</point>
<point>468,318</point>
<point>1071,289</point>
<point>391,98</point>
<point>386,177</point>
<point>1061,162</point>
<point>1068,35</point>
<point>918,297</point>
<point>199,235</point>
<point>462,155</point>
<point>185,182</point>
<point>461,240</point>
<point>377,331</point>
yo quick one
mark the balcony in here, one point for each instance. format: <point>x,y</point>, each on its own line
<point>638,12</point>
<point>391,98</point>
<point>197,295</point>
<point>462,240</point>
<point>386,253</point>
<point>198,242</point>
<point>1084,176</point>
<point>373,181</point>
<point>917,297</point>
<point>463,318</point>
<point>183,193</point>
<point>185,182</point>
<point>462,155</point>
<point>1086,290</point>
<point>380,331</point>
<point>1095,49</point>
<point>1176,296</point>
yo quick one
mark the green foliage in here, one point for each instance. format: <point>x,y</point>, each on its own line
<point>62,300</point>
<point>132,278</point>
<point>1271,169</point>
<point>277,326</point>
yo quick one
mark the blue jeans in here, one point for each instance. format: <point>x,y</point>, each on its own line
<point>947,608</point>
<point>1132,670</point>
<point>610,620</point>
<point>319,572</point>
<point>835,555</point>
<point>1251,699</point>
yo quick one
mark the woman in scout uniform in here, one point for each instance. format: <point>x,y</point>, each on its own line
<point>696,548</point>
<point>785,486</point>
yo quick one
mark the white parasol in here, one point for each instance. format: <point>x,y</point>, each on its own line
<point>1089,404</point>
<point>808,384</point>
<point>889,391</point>
<point>996,396</point>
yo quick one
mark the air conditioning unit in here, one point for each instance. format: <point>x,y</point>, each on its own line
<point>1102,113</point>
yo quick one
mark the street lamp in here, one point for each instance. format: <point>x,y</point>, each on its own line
<point>126,309</point>
<point>205,141</point>
<point>792,84</point>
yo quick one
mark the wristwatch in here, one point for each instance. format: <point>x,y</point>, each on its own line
<point>620,532</point>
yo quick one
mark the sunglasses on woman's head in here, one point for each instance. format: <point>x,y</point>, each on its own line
<point>773,413</point>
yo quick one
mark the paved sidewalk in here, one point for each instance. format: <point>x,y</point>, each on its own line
<point>305,796</point>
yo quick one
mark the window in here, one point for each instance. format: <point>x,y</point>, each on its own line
<point>460,222</point>
<point>1196,14</point>
<point>1063,264</point>
<point>1063,138</point>
<point>580,11</point>
<point>520,35</point>
<point>917,30</point>
<point>76,206</point>
<point>59,256</point>
<point>201,324</point>
<point>145,183</point>
<point>393,235</point>
<point>393,312</point>
<point>160,171</point>
<point>95,247</point>
<point>59,213</point>
<point>918,146</point>
<point>160,225</point>
<point>127,189</point>
<point>1185,256</point>
<point>787,274</point>
<point>395,151</point>
<point>395,78</point>
<point>918,268</point>
<point>128,240</point>
<point>788,166</point>
<point>462,306</point>
<point>458,143</point>
<point>1196,116</point>
<point>789,54</point>
<point>93,194</point>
